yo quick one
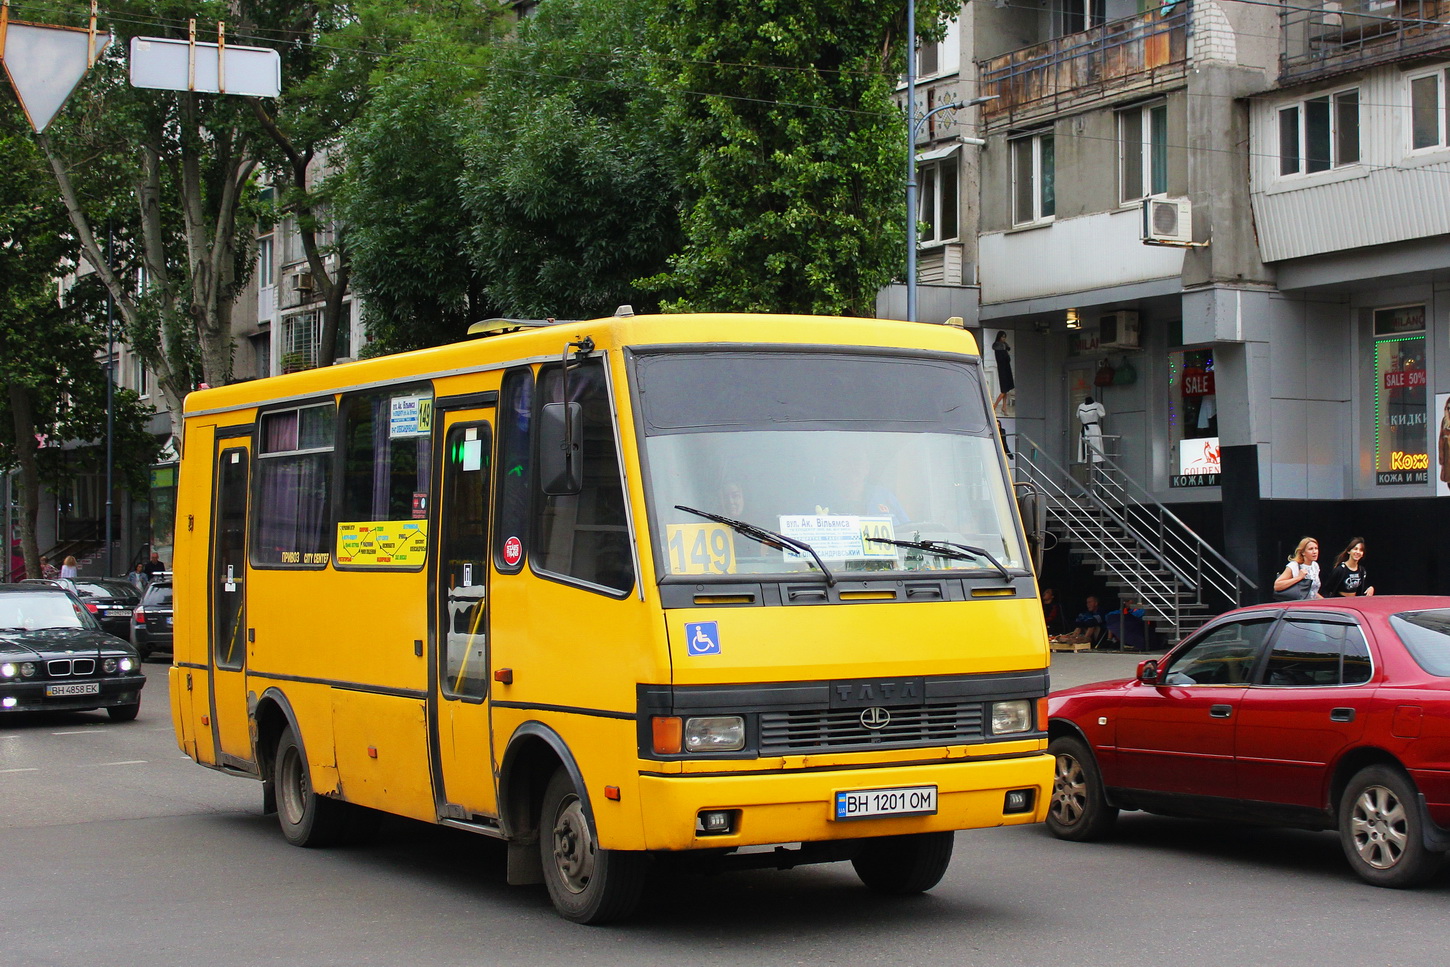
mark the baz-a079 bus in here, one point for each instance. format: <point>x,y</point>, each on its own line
<point>750,588</point>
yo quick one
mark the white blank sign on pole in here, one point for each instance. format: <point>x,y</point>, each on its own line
<point>177,65</point>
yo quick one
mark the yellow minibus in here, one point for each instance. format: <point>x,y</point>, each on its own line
<point>742,589</point>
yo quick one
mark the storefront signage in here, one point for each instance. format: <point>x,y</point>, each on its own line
<point>1198,383</point>
<point>1198,463</point>
<point>1389,322</point>
<point>1401,416</point>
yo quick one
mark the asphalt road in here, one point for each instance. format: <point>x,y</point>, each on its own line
<point>118,851</point>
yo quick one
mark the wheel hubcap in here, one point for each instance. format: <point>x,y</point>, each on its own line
<point>1069,791</point>
<point>573,846</point>
<point>1380,827</point>
<point>292,787</point>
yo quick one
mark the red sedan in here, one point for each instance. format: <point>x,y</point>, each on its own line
<point>1329,714</point>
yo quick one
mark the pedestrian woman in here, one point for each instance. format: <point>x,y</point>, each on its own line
<point>1005,383</point>
<point>69,568</point>
<point>1349,579</point>
<point>1300,578</point>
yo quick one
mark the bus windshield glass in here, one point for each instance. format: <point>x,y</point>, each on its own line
<point>842,450</point>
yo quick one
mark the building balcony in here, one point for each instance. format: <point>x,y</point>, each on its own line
<point>1328,37</point>
<point>1046,79</point>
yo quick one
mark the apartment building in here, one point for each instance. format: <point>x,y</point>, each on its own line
<point>1228,223</point>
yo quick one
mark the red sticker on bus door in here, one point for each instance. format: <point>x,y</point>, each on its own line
<point>513,551</point>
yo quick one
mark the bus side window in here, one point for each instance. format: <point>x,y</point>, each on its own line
<point>586,535</point>
<point>292,488</point>
<point>515,470</point>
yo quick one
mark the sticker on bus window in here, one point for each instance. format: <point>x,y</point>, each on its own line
<point>513,551</point>
<point>700,549</point>
<point>411,416</point>
<point>382,543</point>
<point>840,537</point>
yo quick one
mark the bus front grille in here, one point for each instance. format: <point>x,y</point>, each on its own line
<point>815,729</point>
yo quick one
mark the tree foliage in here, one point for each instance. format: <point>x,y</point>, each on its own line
<point>795,147</point>
<point>55,394</point>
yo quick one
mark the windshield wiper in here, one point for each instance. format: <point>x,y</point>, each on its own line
<point>767,537</point>
<point>957,552</point>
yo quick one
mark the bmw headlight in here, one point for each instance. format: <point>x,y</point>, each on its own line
<point>715,733</point>
<point>8,670</point>
<point>27,669</point>
<point>1009,717</point>
<point>127,664</point>
<point>109,665</point>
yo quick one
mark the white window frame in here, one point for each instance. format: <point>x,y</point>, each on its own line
<point>930,175</point>
<point>139,374</point>
<point>1137,156</point>
<point>1037,212</point>
<point>1440,76</point>
<point>1334,101</point>
<point>266,262</point>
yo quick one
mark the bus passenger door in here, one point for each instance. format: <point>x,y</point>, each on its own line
<point>458,718</point>
<point>226,586</point>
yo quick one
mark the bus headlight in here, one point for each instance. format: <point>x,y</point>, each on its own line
<point>715,733</point>
<point>1009,717</point>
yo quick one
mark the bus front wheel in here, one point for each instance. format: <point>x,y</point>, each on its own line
<point>903,865</point>
<point>587,884</point>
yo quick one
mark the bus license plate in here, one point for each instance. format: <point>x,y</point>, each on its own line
<point>901,801</point>
<point>74,688</point>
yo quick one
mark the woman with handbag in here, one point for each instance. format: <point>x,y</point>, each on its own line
<point>1299,580</point>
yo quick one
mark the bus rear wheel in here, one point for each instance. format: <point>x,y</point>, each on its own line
<point>306,818</point>
<point>587,884</point>
<point>903,865</point>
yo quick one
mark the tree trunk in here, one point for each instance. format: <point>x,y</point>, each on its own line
<point>29,476</point>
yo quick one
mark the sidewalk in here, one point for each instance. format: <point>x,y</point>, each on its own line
<point>1078,668</point>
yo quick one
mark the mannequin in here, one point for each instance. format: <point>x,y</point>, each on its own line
<point>1005,382</point>
<point>1090,414</point>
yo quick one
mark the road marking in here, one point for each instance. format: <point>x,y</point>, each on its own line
<point>126,762</point>
<point>81,732</point>
<point>3,771</point>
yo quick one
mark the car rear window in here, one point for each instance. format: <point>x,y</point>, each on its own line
<point>159,597</point>
<point>1426,635</point>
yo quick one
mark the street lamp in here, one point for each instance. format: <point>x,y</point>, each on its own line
<point>913,127</point>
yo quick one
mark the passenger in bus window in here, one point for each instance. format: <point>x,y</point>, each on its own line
<point>861,493</point>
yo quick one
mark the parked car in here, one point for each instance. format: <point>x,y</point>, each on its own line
<point>151,620</point>
<point>110,601</point>
<point>54,655</point>
<point>1330,714</point>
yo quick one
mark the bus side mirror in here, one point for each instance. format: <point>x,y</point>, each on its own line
<point>561,450</point>
<point>1148,671</point>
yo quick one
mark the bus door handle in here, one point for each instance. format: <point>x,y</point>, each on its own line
<point>1220,711</point>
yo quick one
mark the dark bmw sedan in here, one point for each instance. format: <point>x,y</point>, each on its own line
<point>110,601</point>
<point>54,656</point>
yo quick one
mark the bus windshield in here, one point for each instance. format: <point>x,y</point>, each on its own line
<point>845,451</point>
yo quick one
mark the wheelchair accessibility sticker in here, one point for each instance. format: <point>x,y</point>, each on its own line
<point>702,637</point>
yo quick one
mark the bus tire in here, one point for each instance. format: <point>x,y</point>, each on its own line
<point>904,865</point>
<point>586,884</point>
<point>306,818</point>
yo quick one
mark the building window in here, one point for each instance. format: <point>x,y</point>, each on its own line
<point>1193,419</point>
<point>343,347</point>
<point>1075,16</point>
<point>299,342</point>
<point>1143,151</point>
<point>1428,109</point>
<point>266,270</point>
<point>142,384</point>
<point>939,204</point>
<point>262,355</point>
<point>1401,445</point>
<point>1319,133</point>
<point>1032,179</point>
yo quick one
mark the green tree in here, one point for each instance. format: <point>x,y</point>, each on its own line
<point>570,173</point>
<point>55,385</point>
<point>796,150</point>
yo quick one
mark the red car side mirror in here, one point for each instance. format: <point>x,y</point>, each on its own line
<point>1148,671</point>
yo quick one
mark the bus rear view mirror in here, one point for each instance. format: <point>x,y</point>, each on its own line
<point>561,449</point>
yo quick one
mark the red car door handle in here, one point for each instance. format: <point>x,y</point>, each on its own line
<point>1341,715</point>
<point>1220,711</point>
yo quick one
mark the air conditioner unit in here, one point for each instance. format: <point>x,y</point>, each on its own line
<point>1118,330</point>
<point>1167,221</point>
<point>302,282</point>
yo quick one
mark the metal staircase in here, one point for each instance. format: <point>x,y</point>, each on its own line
<point>1134,543</point>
